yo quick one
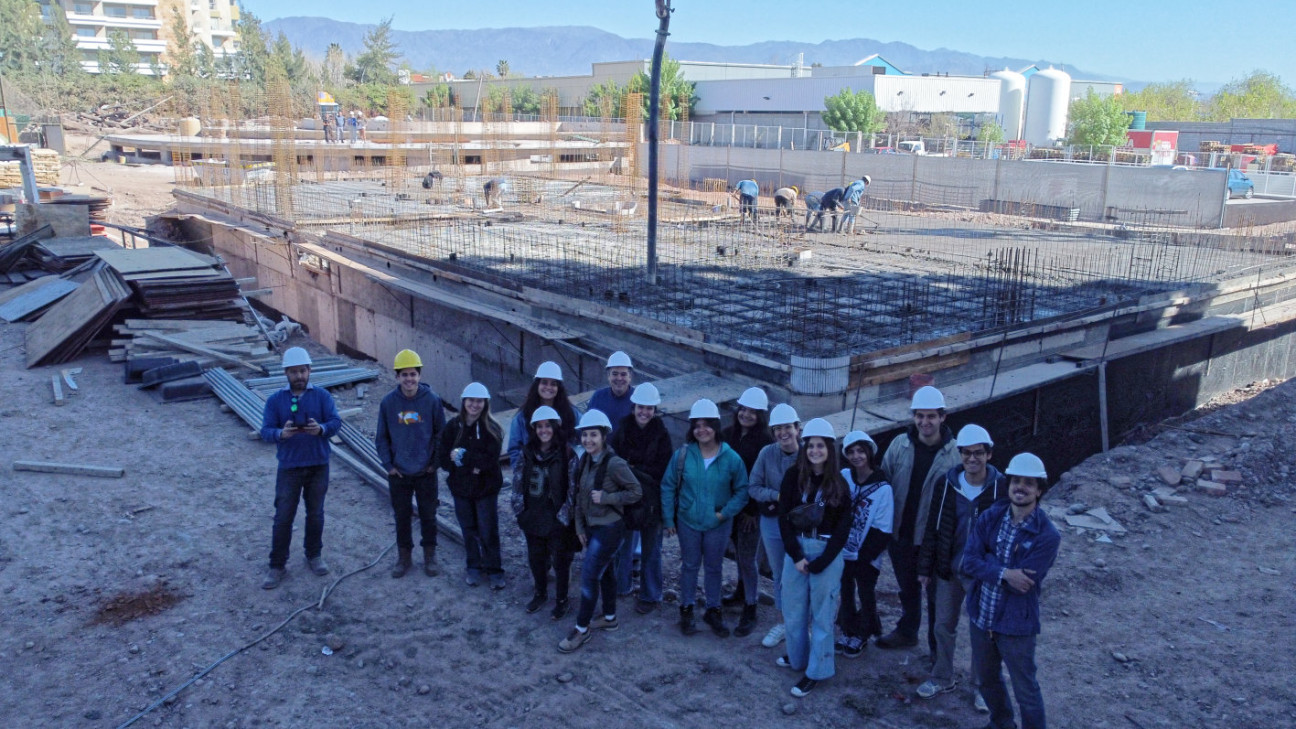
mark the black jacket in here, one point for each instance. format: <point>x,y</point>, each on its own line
<point>482,453</point>
<point>541,483</point>
<point>647,449</point>
<point>836,522</point>
<point>748,448</point>
<point>941,544</point>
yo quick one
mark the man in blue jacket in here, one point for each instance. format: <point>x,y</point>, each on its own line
<point>410,420</point>
<point>1009,551</point>
<point>851,201</point>
<point>614,400</point>
<point>299,419</point>
<point>747,191</point>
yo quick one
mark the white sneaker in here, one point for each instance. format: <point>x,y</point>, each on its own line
<point>979,703</point>
<point>774,636</point>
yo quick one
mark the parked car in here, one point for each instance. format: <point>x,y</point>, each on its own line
<point>1240,184</point>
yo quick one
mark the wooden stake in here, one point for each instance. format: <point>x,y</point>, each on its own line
<point>70,468</point>
<point>58,389</point>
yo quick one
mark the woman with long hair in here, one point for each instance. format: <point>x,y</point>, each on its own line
<point>815,520</point>
<point>763,486</point>
<point>873,508</point>
<point>469,453</point>
<point>543,511</point>
<point>747,435</point>
<point>546,389</point>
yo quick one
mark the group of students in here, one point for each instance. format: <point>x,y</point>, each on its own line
<point>611,484</point>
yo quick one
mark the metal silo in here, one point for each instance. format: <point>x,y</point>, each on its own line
<point>1012,102</point>
<point>1048,97</point>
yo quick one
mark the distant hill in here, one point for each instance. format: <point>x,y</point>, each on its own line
<point>569,50</point>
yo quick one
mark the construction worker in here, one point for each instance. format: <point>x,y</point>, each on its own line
<point>832,202</point>
<point>747,435</point>
<point>1009,551</point>
<point>784,199</point>
<point>854,192</point>
<point>748,192</point>
<point>410,420</point>
<point>614,400</point>
<point>814,209</point>
<point>494,189</point>
<point>432,179</point>
<point>766,478</point>
<point>915,461</point>
<point>469,453</point>
<point>966,491</point>
<point>299,420</point>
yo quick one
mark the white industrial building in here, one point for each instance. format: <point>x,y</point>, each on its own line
<point>148,25</point>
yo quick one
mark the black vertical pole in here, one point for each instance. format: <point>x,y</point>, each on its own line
<point>654,111</point>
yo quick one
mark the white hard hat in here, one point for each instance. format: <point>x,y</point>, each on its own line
<point>783,414</point>
<point>928,398</point>
<point>818,428</point>
<point>646,394</point>
<point>549,371</point>
<point>704,408</point>
<point>858,436</point>
<point>477,390</point>
<point>620,359</point>
<point>594,419</point>
<point>754,398</point>
<point>1027,464</point>
<point>867,180</point>
<point>971,435</point>
<point>544,412</point>
<point>296,357</point>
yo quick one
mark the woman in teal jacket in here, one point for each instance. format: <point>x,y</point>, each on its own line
<point>704,487</point>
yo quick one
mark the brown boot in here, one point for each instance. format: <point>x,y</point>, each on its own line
<point>403,563</point>
<point>429,563</point>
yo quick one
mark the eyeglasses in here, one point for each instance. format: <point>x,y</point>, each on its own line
<point>978,453</point>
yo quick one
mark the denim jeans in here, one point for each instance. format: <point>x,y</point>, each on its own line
<point>545,551</point>
<point>1017,653</point>
<point>809,606</point>
<point>650,564</point>
<point>949,603</point>
<point>479,522</point>
<point>904,560</point>
<point>597,574</point>
<point>858,616</point>
<point>745,555</point>
<point>293,485</point>
<point>773,540</point>
<point>404,490</point>
<point>702,550</point>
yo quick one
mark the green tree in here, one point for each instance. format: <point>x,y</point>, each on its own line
<point>991,133</point>
<point>291,61</point>
<point>502,68</point>
<point>182,57</point>
<point>120,57</point>
<point>438,96</point>
<point>1170,101</point>
<point>20,33</point>
<point>249,64</point>
<point>673,88</point>
<point>604,99</point>
<point>333,65</point>
<point>1261,95</point>
<point>1098,120</point>
<point>377,63</point>
<point>852,111</point>
<point>58,51</point>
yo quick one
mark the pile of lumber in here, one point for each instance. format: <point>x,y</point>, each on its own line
<point>45,163</point>
<point>175,283</point>
<point>209,343</point>
<point>69,326</point>
<point>61,254</point>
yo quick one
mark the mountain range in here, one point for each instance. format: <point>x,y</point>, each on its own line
<point>569,50</point>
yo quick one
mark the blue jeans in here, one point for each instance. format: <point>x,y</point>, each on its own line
<point>702,549</point>
<point>479,522</point>
<point>774,551</point>
<point>1017,652</point>
<point>809,606</point>
<point>650,564</point>
<point>293,485</point>
<point>597,573</point>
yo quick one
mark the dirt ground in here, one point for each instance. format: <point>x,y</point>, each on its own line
<point>117,591</point>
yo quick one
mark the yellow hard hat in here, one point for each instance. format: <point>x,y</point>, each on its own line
<point>407,358</point>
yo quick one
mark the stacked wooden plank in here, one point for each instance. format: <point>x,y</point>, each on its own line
<point>62,254</point>
<point>45,165</point>
<point>15,252</point>
<point>63,331</point>
<point>175,283</point>
<point>210,343</point>
<point>26,302</point>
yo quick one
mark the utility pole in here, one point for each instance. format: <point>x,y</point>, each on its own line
<point>654,111</point>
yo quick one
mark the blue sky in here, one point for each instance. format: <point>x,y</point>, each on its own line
<point>1152,40</point>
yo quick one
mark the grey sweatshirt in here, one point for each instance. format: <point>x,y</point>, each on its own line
<point>767,476</point>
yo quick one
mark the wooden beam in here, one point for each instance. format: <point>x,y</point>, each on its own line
<point>196,349</point>
<point>57,384</point>
<point>73,469</point>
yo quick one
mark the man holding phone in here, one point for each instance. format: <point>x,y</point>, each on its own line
<point>299,419</point>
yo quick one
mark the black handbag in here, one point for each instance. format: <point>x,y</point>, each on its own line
<point>806,517</point>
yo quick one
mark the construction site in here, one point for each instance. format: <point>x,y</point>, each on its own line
<point>1069,309</point>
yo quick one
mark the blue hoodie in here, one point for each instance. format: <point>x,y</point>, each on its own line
<point>408,430</point>
<point>302,449</point>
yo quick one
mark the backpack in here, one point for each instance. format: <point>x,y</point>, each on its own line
<point>860,518</point>
<point>645,513</point>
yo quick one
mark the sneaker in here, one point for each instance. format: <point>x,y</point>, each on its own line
<point>472,578</point>
<point>560,609</point>
<point>775,636</point>
<point>804,686</point>
<point>496,580</point>
<point>536,603</point>
<point>318,565</point>
<point>930,688</point>
<point>896,639</point>
<point>575,639</point>
<point>978,703</point>
<point>273,577</point>
<point>783,662</point>
<point>854,648</point>
<point>839,645</point>
<point>602,623</point>
<point>644,607</point>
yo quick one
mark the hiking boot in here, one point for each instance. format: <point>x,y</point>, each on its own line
<point>430,567</point>
<point>536,603</point>
<point>775,636</point>
<point>978,703</point>
<point>931,687</point>
<point>715,619</point>
<point>895,639</point>
<point>644,607</point>
<point>318,565</point>
<point>604,623</point>
<point>403,563</point>
<point>747,623</point>
<point>575,639</point>
<point>472,577</point>
<point>560,608</point>
<point>854,647</point>
<point>496,580</point>
<point>733,599</point>
<point>804,686</point>
<point>273,577</point>
<point>687,626</point>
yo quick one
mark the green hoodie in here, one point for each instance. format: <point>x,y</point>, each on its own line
<point>699,492</point>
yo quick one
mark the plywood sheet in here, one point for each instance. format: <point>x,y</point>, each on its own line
<point>37,298</point>
<point>141,260</point>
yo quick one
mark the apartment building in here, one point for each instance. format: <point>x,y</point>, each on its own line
<point>147,23</point>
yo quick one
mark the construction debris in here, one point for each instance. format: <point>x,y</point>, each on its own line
<point>71,469</point>
<point>65,330</point>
